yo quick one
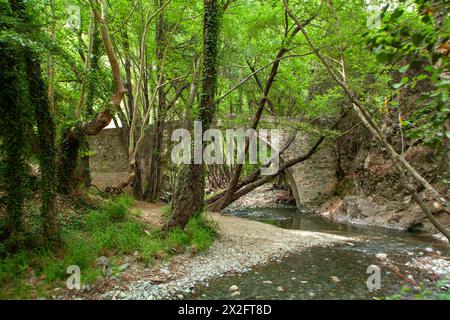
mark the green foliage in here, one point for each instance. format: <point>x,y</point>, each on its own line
<point>416,43</point>
<point>201,232</point>
<point>14,123</point>
<point>436,292</point>
<point>112,230</point>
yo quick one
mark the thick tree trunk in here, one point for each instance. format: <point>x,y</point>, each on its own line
<point>188,196</point>
<point>13,133</point>
<point>154,174</point>
<point>47,152</point>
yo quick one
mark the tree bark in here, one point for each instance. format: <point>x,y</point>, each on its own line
<point>188,196</point>
<point>47,150</point>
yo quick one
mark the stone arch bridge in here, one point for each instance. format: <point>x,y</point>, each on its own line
<point>312,181</point>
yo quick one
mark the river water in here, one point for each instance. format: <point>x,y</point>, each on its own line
<point>336,272</point>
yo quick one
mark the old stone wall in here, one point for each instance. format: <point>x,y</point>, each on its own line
<point>315,179</point>
<point>109,157</point>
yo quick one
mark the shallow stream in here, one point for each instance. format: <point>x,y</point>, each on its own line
<point>337,272</point>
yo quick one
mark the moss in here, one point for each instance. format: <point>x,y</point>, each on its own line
<point>344,187</point>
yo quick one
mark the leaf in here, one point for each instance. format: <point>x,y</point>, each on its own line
<point>404,68</point>
<point>417,38</point>
<point>384,57</point>
<point>421,77</point>
<point>397,14</point>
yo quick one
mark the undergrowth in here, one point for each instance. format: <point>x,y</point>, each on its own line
<point>112,231</point>
<point>440,291</point>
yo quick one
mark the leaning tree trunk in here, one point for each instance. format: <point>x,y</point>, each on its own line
<point>188,196</point>
<point>74,136</point>
<point>400,164</point>
<point>261,105</point>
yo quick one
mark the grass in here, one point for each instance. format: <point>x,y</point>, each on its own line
<point>113,231</point>
<point>425,293</point>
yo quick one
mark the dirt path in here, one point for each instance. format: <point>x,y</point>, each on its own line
<point>151,213</point>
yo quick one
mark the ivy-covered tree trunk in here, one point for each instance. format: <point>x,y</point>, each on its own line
<point>47,152</point>
<point>68,159</point>
<point>13,134</point>
<point>188,196</point>
<point>23,73</point>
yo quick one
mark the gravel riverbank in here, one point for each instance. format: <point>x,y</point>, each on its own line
<point>242,244</point>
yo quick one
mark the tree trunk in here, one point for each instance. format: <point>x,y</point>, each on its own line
<point>188,196</point>
<point>47,152</point>
<point>262,103</point>
<point>51,62</point>
<point>154,173</point>
<point>13,133</point>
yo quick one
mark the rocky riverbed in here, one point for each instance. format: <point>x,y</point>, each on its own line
<point>243,244</point>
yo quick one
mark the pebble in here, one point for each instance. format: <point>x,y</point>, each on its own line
<point>335,279</point>
<point>429,250</point>
<point>164,271</point>
<point>280,289</point>
<point>234,288</point>
<point>236,293</point>
<point>381,256</point>
<point>124,267</point>
<point>267,282</point>
<point>445,287</point>
<point>103,260</point>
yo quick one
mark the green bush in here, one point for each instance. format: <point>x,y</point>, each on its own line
<point>150,247</point>
<point>201,231</point>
